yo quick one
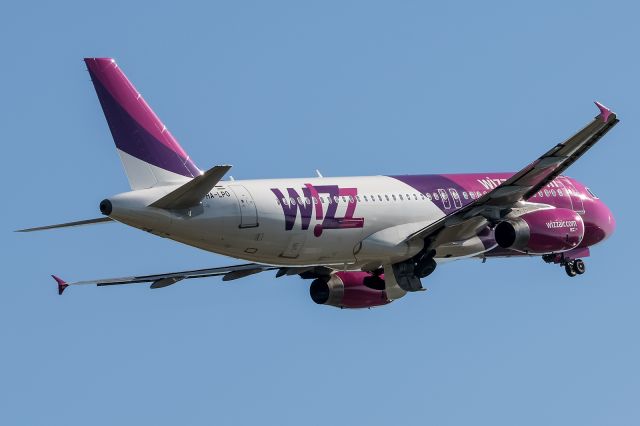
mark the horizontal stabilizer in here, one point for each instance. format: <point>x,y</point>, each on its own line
<point>69,224</point>
<point>192,192</point>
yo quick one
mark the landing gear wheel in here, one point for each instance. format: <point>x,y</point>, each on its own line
<point>570,270</point>
<point>579,266</point>
<point>425,267</point>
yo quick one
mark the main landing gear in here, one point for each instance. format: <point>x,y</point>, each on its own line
<point>575,267</point>
<point>572,267</point>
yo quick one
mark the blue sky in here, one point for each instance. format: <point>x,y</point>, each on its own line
<point>279,89</point>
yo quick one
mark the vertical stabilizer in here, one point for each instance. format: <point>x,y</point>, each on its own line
<point>151,156</point>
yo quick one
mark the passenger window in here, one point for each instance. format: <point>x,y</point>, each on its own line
<point>393,196</point>
<point>428,195</point>
<point>350,199</point>
<point>401,199</point>
<point>335,199</point>
<point>365,198</point>
<point>436,196</point>
<point>386,196</point>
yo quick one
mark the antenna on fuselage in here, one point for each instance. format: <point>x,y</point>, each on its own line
<point>319,174</point>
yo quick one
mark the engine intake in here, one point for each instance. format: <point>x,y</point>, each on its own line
<point>541,232</point>
<point>349,290</point>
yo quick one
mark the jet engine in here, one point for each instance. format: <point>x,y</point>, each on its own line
<point>541,231</point>
<point>349,290</point>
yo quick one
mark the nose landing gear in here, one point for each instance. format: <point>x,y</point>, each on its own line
<point>572,267</point>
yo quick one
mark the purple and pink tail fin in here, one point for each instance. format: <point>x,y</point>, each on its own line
<point>151,156</point>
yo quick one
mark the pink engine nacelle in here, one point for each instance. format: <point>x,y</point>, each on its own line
<point>541,232</point>
<point>349,290</point>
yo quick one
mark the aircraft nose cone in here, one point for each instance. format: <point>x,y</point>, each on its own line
<point>600,223</point>
<point>604,220</point>
<point>609,222</point>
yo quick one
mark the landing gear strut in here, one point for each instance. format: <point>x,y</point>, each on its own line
<point>572,267</point>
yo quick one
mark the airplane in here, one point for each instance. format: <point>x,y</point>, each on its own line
<point>362,241</point>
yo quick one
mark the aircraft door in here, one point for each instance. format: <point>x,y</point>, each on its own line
<point>445,198</point>
<point>576,199</point>
<point>456,198</point>
<point>248,210</point>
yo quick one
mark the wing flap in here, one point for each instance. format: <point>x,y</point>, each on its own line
<point>165,282</point>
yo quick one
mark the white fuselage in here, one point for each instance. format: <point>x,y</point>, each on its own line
<point>328,219</point>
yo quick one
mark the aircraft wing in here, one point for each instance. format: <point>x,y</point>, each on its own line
<point>163,280</point>
<point>467,221</point>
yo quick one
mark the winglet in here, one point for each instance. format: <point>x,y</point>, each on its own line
<point>61,284</point>
<point>604,111</point>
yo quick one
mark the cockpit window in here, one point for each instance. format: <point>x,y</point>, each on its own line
<point>591,193</point>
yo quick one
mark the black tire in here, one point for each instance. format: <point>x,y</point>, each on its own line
<point>569,269</point>
<point>425,268</point>
<point>579,266</point>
